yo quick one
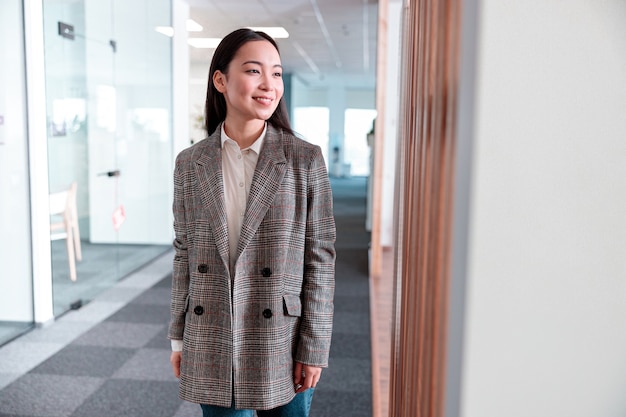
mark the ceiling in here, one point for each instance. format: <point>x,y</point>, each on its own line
<point>331,42</point>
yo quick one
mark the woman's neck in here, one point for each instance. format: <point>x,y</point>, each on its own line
<point>244,133</point>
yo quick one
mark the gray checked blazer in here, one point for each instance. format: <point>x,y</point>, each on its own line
<point>242,330</point>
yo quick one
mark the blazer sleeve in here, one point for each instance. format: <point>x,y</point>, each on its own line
<point>180,271</point>
<point>319,268</point>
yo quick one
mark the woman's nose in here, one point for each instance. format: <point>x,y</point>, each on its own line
<point>267,82</point>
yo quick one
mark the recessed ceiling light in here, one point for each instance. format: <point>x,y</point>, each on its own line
<point>192,26</point>
<point>207,43</point>
<point>165,30</point>
<point>277,32</point>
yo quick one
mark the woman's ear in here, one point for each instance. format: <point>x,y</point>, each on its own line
<point>219,81</point>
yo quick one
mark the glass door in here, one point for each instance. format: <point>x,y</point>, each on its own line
<point>108,87</point>
<point>80,97</point>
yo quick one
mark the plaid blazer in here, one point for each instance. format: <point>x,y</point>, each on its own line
<point>242,330</point>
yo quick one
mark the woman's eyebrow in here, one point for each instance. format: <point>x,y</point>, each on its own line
<point>260,64</point>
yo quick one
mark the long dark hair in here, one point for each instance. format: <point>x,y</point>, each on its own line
<point>215,105</point>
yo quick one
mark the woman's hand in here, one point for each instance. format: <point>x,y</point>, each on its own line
<point>305,376</point>
<point>175,358</point>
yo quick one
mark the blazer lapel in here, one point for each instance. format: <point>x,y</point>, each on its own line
<point>211,185</point>
<point>267,179</point>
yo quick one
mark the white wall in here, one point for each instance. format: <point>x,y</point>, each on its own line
<point>546,289</point>
<point>305,96</point>
<point>16,285</point>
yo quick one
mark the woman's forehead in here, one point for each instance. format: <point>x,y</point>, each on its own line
<point>261,51</point>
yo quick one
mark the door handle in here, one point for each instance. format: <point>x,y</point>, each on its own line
<point>115,173</point>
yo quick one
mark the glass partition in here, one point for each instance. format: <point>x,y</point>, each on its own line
<point>16,283</point>
<point>108,95</point>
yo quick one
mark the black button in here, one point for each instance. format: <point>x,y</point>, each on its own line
<point>267,313</point>
<point>266,272</point>
<point>203,268</point>
<point>198,310</point>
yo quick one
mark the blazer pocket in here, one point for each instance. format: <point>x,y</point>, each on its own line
<point>293,306</point>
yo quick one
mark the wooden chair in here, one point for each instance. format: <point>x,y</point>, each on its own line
<point>64,224</point>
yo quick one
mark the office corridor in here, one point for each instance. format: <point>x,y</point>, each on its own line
<point>111,357</point>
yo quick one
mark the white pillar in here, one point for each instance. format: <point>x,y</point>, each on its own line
<point>38,159</point>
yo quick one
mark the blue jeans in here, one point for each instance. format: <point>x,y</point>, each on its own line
<point>298,407</point>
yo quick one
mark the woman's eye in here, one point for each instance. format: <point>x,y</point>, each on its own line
<point>253,71</point>
<point>278,74</point>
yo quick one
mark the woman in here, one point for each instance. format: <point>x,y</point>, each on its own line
<point>253,277</point>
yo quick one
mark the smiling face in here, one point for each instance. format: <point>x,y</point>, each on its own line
<point>253,85</point>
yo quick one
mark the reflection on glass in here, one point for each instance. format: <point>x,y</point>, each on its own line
<point>105,108</point>
<point>152,121</point>
<point>68,116</point>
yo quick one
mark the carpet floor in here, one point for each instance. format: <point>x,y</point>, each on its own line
<point>111,357</point>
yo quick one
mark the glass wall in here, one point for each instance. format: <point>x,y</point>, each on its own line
<point>108,97</point>
<point>16,283</point>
